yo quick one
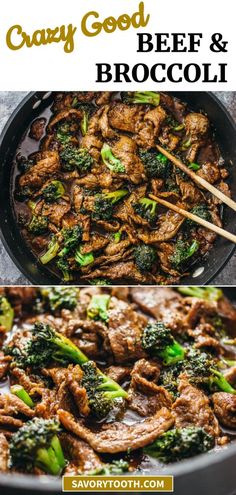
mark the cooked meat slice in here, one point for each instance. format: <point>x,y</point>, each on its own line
<point>230,375</point>
<point>31,384</point>
<point>65,114</point>
<point>125,117</point>
<point>225,408</point>
<point>56,211</point>
<point>37,128</point>
<point>168,227</point>
<point>121,270</point>
<point>145,396</point>
<point>63,398</point>
<point>125,328</point>
<point>165,305</point>
<point>77,197</point>
<point>118,437</point>
<point>79,393</point>
<point>113,248</point>
<point>174,106</point>
<point>10,422</point>
<point>103,98</point>
<point>196,125</point>
<point>118,373</point>
<point>4,365</point>
<point>46,167</point>
<point>190,193</point>
<point>88,335</point>
<point>104,125</point>
<point>165,252</point>
<point>4,453</point>
<point>228,312</point>
<point>93,145</point>
<point>168,139</point>
<point>125,149</point>
<point>80,453</point>
<point>149,128</point>
<point>97,242</point>
<point>11,405</point>
<point>193,408</point>
<point>210,172</point>
<point>21,297</point>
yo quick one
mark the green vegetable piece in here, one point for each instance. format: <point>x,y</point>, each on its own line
<point>53,248</point>
<point>207,293</point>
<point>98,306</point>
<point>6,314</point>
<point>58,298</point>
<point>83,259</point>
<point>180,443</point>
<point>53,191</point>
<point>194,166</point>
<point>22,394</point>
<point>142,97</point>
<point>145,257</point>
<point>36,444</point>
<point>113,163</point>
<point>158,341</point>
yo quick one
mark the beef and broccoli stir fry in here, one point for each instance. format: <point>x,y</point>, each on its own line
<point>85,170</point>
<point>114,380</point>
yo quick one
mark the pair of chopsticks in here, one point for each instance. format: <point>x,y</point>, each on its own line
<point>209,187</point>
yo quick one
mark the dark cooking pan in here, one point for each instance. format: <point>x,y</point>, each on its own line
<point>31,107</point>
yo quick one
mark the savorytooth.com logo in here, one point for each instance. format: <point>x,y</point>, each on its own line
<point>118,484</point>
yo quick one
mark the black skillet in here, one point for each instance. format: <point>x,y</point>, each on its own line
<point>29,109</point>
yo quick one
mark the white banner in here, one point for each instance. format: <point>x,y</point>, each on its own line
<point>118,44</point>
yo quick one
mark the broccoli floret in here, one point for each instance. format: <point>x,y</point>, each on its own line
<point>6,314</point>
<point>146,208</point>
<point>83,259</point>
<point>113,163</point>
<point>63,133</point>
<point>156,165</point>
<point>143,97</point>
<point>169,377</point>
<point>100,281</point>
<point>47,345</point>
<point>53,191</point>
<point>57,298</point>
<point>36,444</point>
<point>182,253</point>
<point>113,469</point>
<point>64,267</point>
<point>179,443</point>
<point>207,293</point>
<point>73,157</point>
<point>38,225</point>
<point>23,193</point>
<point>52,250</point>
<point>20,392</point>
<point>145,257</point>
<point>98,307</point>
<point>104,204</point>
<point>201,211</point>
<point>201,368</point>
<point>71,238</point>
<point>158,340</point>
<point>101,390</point>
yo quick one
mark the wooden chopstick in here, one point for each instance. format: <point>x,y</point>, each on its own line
<point>196,178</point>
<point>195,218</point>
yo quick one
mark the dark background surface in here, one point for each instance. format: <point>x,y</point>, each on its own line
<point>10,275</point>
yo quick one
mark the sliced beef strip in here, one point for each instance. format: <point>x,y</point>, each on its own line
<point>4,365</point>
<point>46,167</point>
<point>9,422</point>
<point>21,297</point>
<point>125,149</point>
<point>79,393</point>
<point>125,117</point>
<point>64,114</point>
<point>11,405</point>
<point>165,305</point>
<point>121,270</point>
<point>118,437</point>
<point>118,373</point>
<point>196,125</point>
<point>37,128</point>
<point>145,396</point>
<point>149,128</point>
<point>193,408</point>
<point>97,242</point>
<point>168,227</point>
<point>125,328</point>
<point>225,408</point>
<point>80,453</point>
<point>4,453</point>
<point>56,211</point>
